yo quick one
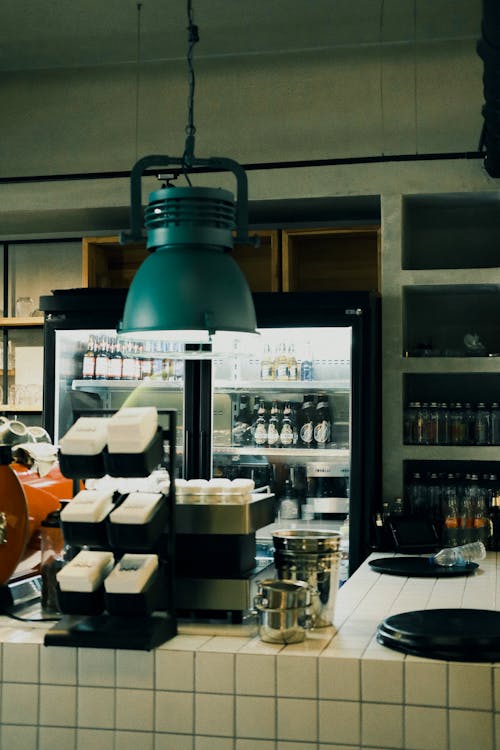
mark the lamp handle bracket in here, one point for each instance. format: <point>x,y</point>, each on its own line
<point>214,163</point>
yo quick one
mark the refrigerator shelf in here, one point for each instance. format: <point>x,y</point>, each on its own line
<point>125,385</point>
<point>305,454</point>
<point>302,386</point>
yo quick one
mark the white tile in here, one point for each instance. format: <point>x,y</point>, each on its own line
<point>210,743</point>
<point>56,737</point>
<point>20,662</point>
<point>184,642</point>
<point>174,712</point>
<point>174,670</point>
<point>173,741</point>
<point>381,725</point>
<point>306,746</point>
<point>382,680</point>
<point>224,644</point>
<point>471,729</point>
<point>19,703</point>
<point>426,728</point>
<point>297,677</point>
<point>339,721</point>
<point>214,672</point>
<point>94,739</point>
<point>255,674</point>
<point>134,709</point>
<point>135,669</point>
<point>214,714</point>
<point>297,719</point>
<point>58,666</point>
<point>425,682</point>
<point>134,740</point>
<point>96,707</point>
<point>255,717</point>
<point>339,678</point>
<point>96,666</point>
<point>470,685</point>
<point>57,705</point>
<point>19,738</point>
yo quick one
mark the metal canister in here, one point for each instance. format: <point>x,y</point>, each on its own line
<point>281,608</point>
<point>312,556</point>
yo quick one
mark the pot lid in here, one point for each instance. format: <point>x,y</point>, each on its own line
<point>450,634</point>
<point>421,567</point>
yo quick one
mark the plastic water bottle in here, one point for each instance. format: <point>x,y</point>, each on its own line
<point>460,555</point>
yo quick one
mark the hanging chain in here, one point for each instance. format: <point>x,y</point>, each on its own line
<point>193,37</point>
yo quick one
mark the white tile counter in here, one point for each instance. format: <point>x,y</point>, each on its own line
<point>335,691</point>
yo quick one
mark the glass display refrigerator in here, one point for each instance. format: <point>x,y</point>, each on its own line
<point>300,414</point>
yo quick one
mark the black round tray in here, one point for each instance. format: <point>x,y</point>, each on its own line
<point>450,634</point>
<point>421,567</point>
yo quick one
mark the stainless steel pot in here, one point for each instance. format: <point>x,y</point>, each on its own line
<point>311,556</point>
<point>283,625</point>
<point>279,594</point>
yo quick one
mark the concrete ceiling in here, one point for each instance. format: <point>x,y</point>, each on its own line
<point>36,34</point>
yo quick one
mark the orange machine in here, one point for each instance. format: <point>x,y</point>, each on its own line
<point>25,500</point>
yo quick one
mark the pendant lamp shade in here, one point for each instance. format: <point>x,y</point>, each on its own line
<point>190,287</point>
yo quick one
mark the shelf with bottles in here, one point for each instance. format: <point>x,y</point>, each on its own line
<point>459,498</point>
<point>452,410</point>
<point>278,386</point>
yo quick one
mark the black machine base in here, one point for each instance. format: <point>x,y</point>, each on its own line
<point>107,631</point>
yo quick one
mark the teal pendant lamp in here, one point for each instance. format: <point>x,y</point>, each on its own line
<point>190,289</point>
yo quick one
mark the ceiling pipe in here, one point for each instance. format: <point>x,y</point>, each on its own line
<point>488,49</point>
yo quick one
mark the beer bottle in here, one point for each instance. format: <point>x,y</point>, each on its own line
<point>267,364</point>
<point>306,367</point>
<point>281,363</point>
<point>289,504</point>
<point>322,422</point>
<point>273,429</point>
<point>288,432</point>
<point>260,430</point>
<point>115,361</point>
<point>306,422</point>
<point>243,421</point>
<point>88,364</point>
<point>101,359</point>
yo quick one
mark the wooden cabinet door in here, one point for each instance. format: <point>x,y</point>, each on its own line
<point>331,259</point>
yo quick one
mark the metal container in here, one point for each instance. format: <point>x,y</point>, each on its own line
<point>282,625</point>
<point>278,594</point>
<point>282,610</point>
<point>311,556</point>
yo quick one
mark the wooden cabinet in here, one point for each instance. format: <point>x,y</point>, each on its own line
<point>331,259</point>
<point>288,260</point>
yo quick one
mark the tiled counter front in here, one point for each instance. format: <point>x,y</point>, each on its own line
<point>227,692</point>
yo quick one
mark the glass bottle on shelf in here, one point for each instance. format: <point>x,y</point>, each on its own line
<point>281,363</point>
<point>457,424</point>
<point>469,424</point>
<point>444,423</point>
<point>292,365</point>
<point>289,504</point>
<point>432,424</point>
<point>288,431</point>
<point>306,367</point>
<point>274,425</point>
<point>306,422</point>
<point>495,423</point>
<point>101,359</point>
<point>322,422</point>
<point>260,429</point>
<point>115,361</point>
<point>243,422</point>
<point>481,425</point>
<point>88,363</point>
<point>267,364</point>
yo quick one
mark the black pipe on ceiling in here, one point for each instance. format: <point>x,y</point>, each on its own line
<point>488,49</point>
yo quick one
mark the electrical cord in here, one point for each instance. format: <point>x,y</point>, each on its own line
<point>193,38</point>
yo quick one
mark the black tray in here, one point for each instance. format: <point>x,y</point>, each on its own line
<point>450,634</point>
<point>420,567</point>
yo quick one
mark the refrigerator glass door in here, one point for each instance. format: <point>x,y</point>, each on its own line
<point>283,418</point>
<point>76,395</point>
